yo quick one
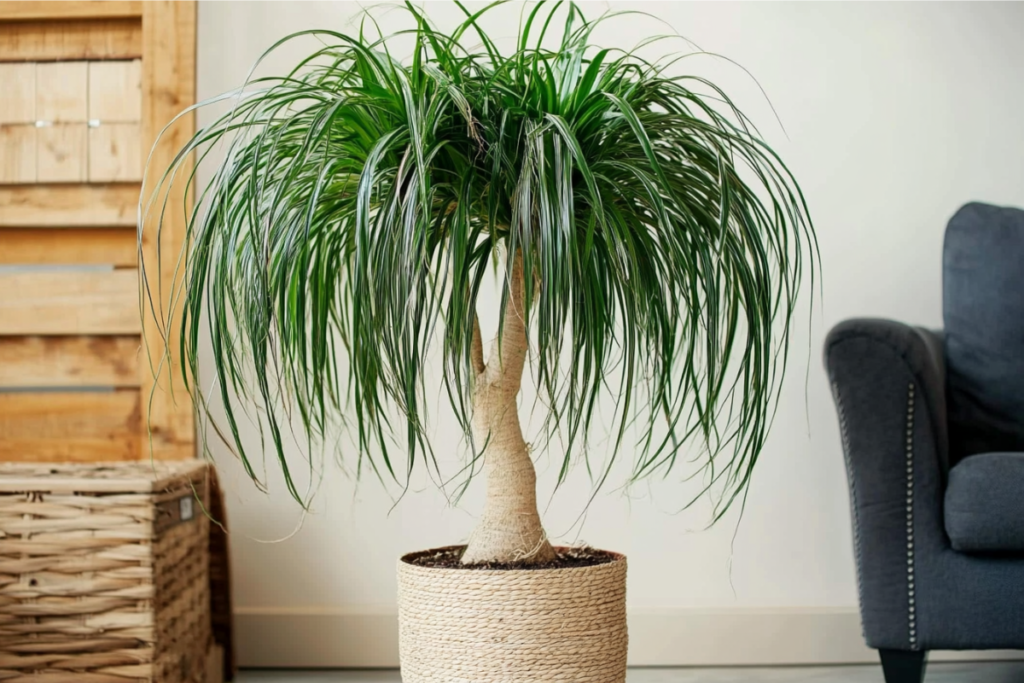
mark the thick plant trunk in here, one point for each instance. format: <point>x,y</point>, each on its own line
<point>509,531</point>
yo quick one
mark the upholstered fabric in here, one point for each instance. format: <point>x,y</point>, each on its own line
<point>912,404</point>
<point>983,308</point>
<point>916,591</point>
<point>985,504</point>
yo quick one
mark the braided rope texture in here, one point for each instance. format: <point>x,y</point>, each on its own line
<point>104,574</point>
<point>512,626</point>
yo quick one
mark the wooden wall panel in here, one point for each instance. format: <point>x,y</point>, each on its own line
<point>45,41</point>
<point>32,362</point>
<point>18,144</point>
<point>75,302</point>
<point>115,91</point>
<point>18,105</point>
<point>61,153</point>
<point>115,153</point>
<point>14,10</point>
<point>58,148</point>
<point>168,87</point>
<point>62,92</point>
<point>68,206</point>
<point>32,246</point>
<point>70,427</point>
<point>65,64</point>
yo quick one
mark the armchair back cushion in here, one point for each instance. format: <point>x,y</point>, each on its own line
<point>983,308</point>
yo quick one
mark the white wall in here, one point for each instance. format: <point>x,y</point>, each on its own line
<point>894,115</point>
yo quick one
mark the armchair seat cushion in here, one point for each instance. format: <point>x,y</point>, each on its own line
<point>985,503</point>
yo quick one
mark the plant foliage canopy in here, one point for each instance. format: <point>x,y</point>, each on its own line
<point>362,199</point>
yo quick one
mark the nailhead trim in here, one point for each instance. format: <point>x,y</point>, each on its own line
<point>911,616</point>
<point>844,435</point>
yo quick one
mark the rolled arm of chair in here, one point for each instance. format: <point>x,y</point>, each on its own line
<point>888,382</point>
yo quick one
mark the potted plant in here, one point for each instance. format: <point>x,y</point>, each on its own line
<point>647,243</point>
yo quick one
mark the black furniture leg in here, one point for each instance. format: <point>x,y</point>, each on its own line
<point>903,666</point>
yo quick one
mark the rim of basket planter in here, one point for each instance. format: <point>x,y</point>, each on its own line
<point>408,560</point>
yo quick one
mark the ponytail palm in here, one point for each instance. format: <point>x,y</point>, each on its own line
<point>649,246</point>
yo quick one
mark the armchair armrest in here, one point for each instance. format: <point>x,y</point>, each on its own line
<point>888,382</point>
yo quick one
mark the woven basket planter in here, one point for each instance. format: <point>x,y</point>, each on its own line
<point>104,574</point>
<point>512,626</point>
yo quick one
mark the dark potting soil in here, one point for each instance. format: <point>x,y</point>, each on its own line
<point>566,558</point>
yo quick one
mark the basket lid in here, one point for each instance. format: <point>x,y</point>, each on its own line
<point>114,477</point>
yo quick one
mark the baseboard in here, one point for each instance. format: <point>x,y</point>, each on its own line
<point>332,638</point>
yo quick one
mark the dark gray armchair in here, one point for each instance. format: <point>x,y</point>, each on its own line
<point>933,435</point>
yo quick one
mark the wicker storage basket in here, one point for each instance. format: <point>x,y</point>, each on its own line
<point>512,626</point>
<point>104,574</point>
<point>220,584</point>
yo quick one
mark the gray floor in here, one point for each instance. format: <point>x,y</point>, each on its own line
<point>989,672</point>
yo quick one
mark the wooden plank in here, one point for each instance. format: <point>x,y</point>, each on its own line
<point>70,427</point>
<point>115,154</point>
<point>115,91</point>
<point>18,105</point>
<point>69,206</point>
<point>168,87</point>
<point>62,92</point>
<point>69,302</point>
<point>44,41</point>
<point>31,246</point>
<point>12,10</point>
<point>62,153</point>
<point>35,362</point>
<point>18,153</point>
